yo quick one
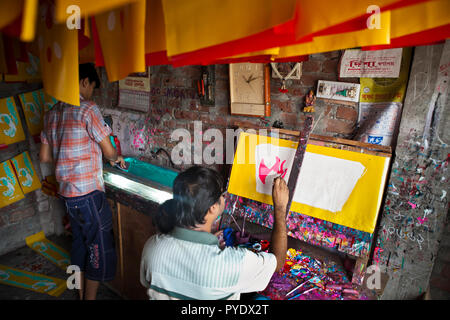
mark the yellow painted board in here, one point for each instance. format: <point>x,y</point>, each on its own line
<point>359,206</point>
<point>26,173</point>
<point>32,281</point>
<point>49,250</point>
<point>10,190</point>
<point>11,130</point>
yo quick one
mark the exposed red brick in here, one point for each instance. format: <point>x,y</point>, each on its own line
<point>311,66</point>
<point>220,121</point>
<point>289,119</point>
<point>330,66</point>
<point>243,123</point>
<point>346,113</point>
<point>284,106</point>
<point>339,126</point>
<point>188,115</point>
<point>309,80</point>
<point>328,110</point>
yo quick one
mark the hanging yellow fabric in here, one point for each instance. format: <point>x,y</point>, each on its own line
<point>419,17</point>
<point>29,20</point>
<point>341,41</point>
<point>155,32</point>
<point>58,48</point>
<point>317,15</point>
<point>122,38</point>
<point>87,7</point>
<point>189,24</point>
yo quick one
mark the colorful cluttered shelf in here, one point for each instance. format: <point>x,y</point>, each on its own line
<point>306,278</point>
<point>308,229</point>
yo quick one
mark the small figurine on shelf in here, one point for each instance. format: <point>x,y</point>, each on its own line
<point>310,100</point>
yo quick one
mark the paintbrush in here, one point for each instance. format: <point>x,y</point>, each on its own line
<point>297,287</point>
<point>235,222</point>
<point>298,295</point>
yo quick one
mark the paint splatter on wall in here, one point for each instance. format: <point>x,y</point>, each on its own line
<point>416,203</point>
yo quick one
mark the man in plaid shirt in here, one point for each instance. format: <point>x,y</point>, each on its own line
<point>74,138</point>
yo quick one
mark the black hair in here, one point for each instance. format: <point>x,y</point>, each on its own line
<point>194,192</point>
<point>87,70</point>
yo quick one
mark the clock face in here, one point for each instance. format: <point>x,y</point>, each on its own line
<point>247,83</point>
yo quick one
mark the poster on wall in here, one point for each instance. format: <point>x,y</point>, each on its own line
<point>11,130</point>
<point>10,190</point>
<point>379,121</point>
<point>340,186</point>
<point>26,174</point>
<point>387,89</point>
<point>380,105</point>
<point>356,63</point>
<point>134,91</point>
<point>33,110</point>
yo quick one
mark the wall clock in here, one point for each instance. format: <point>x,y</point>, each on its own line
<point>248,89</point>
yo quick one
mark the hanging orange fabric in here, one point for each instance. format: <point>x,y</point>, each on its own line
<point>10,10</point>
<point>419,24</point>
<point>239,28</point>
<point>341,41</point>
<point>122,38</point>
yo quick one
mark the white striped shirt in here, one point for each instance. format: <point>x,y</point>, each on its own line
<point>188,264</point>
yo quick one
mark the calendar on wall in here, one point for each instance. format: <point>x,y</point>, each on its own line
<point>134,91</point>
<point>379,121</point>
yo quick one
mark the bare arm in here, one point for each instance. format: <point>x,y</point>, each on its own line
<point>110,153</point>
<point>45,154</point>
<point>278,242</point>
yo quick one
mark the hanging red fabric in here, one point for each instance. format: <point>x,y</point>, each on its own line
<point>99,61</point>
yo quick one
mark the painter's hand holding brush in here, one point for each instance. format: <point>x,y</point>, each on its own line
<point>278,243</point>
<point>120,161</point>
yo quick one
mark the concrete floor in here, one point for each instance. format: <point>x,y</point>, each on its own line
<point>28,260</point>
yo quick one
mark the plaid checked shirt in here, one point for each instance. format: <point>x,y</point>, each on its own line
<point>73,134</point>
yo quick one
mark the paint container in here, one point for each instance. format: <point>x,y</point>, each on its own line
<point>242,238</point>
<point>228,236</point>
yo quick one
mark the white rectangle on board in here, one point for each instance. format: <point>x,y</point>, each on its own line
<point>324,182</point>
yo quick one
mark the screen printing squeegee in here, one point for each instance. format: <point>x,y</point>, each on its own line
<point>298,159</point>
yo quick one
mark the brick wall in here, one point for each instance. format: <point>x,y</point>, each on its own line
<point>175,104</point>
